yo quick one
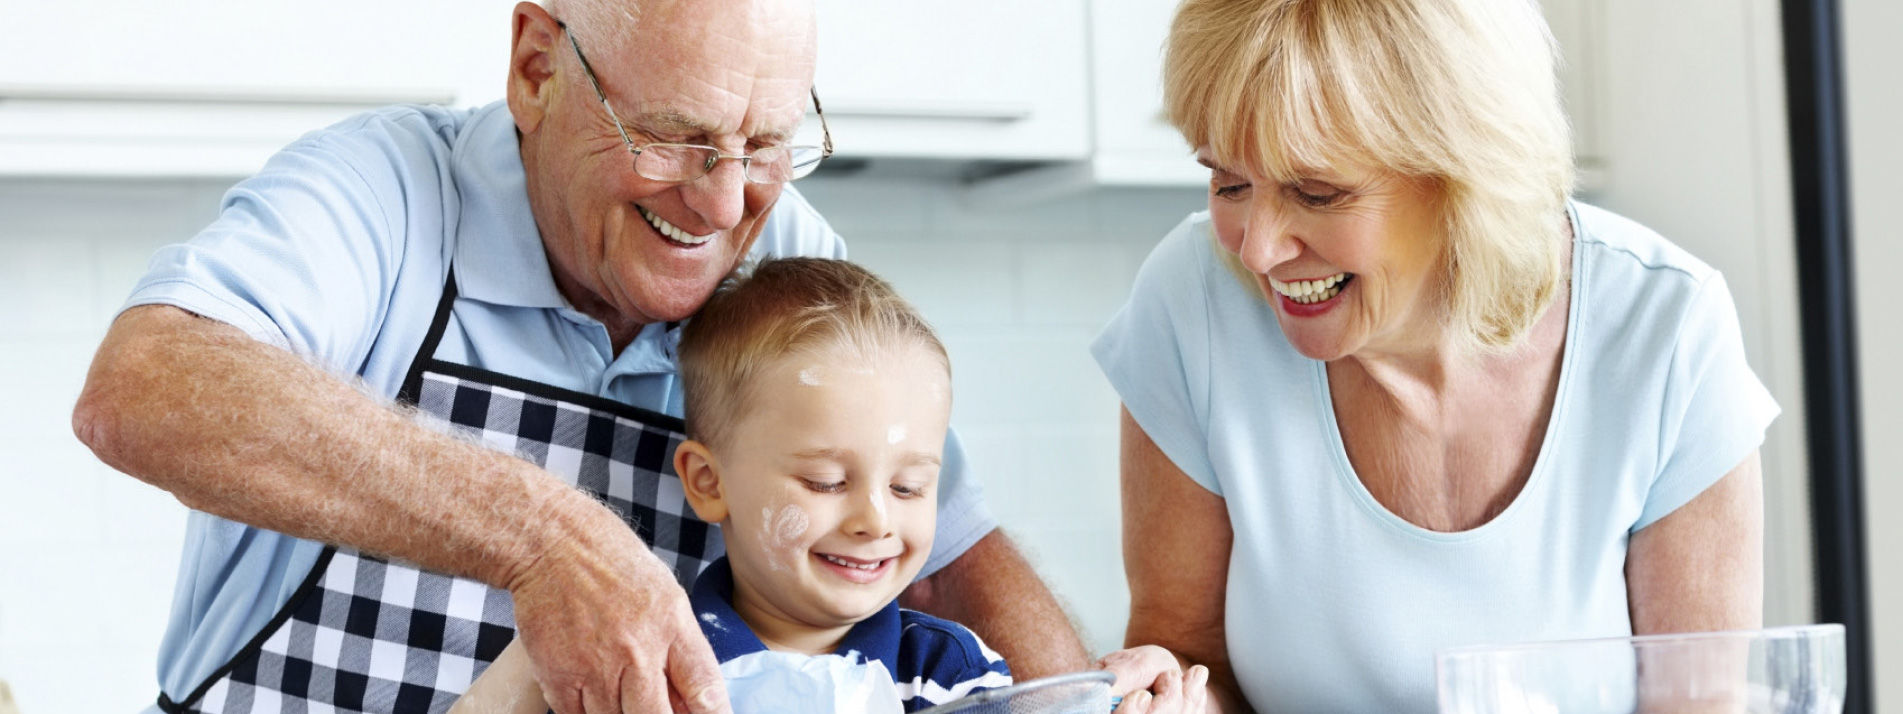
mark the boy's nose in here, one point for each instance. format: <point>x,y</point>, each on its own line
<point>868,516</point>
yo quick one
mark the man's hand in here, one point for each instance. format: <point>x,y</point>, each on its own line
<point>610,631</point>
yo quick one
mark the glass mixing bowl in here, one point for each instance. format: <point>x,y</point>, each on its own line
<point>1783,670</point>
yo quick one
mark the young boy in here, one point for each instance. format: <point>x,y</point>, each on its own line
<point>817,403</point>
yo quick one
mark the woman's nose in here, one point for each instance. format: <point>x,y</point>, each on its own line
<point>1268,238</point>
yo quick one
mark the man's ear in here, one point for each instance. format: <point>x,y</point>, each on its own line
<point>700,478</point>
<point>533,46</point>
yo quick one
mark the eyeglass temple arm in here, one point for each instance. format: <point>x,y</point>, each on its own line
<point>825,131</point>
<point>589,71</point>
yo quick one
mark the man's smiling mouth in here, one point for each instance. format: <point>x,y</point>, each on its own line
<point>672,233</point>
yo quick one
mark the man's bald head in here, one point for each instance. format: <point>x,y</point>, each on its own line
<point>622,19</point>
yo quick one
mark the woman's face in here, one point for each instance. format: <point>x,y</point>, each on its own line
<point>1351,257</point>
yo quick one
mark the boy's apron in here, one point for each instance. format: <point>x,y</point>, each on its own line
<point>363,634</point>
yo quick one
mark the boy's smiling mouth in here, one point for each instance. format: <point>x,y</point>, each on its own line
<point>858,570</point>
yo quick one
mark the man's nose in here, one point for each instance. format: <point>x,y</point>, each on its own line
<point>720,196</point>
<point>1268,237</point>
<point>867,515</point>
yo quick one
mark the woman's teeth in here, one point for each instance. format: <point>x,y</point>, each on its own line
<point>673,233</point>
<point>874,565</point>
<point>1307,292</point>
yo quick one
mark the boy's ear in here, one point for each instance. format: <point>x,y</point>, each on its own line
<point>700,478</point>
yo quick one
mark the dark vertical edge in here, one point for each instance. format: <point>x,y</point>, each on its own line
<point>1821,193</point>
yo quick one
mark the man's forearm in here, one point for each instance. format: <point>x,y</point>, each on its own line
<point>249,432</point>
<point>995,592</point>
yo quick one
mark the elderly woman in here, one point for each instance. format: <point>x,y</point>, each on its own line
<point>1394,392</point>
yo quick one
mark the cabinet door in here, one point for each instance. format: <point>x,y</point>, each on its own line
<point>202,50</point>
<point>204,88</point>
<point>1135,142</point>
<point>999,79</point>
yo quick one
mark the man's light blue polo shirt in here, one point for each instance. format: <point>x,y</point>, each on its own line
<point>337,250</point>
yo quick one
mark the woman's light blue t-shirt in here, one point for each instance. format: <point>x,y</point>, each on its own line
<point>1334,603</point>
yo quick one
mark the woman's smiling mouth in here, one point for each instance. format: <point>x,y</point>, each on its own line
<point>1309,292</point>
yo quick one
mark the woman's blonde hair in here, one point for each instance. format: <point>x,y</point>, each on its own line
<point>1462,93</point>
<point>780,308</point>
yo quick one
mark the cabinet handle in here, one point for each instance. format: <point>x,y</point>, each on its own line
<point>222,95</point>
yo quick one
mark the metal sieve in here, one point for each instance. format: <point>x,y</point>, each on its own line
<point>1074,693</point>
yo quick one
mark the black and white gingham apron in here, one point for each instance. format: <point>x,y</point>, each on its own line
<point>363,634</point>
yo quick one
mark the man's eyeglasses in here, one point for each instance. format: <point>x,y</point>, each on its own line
<point>662,161</point>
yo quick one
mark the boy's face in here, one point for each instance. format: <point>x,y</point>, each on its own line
<point>826,487</point>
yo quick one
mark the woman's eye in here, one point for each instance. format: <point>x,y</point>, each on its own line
<point>1223,184</point>
<point>1315,194</point>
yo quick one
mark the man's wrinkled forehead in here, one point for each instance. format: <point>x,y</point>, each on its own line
<point>701,62</point>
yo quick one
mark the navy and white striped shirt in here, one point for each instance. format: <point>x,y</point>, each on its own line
<point>932,661</point>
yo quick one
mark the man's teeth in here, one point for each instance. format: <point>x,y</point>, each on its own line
<point>1307,292</point>
<point>837,561</point>
<point>672,232</point>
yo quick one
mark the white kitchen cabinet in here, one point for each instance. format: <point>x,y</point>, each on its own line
<point>1135,143</point>
<point>1132,144</point>
<point>212,88</point>
<point>977,79</point>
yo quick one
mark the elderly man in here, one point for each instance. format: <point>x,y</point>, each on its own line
<point>514,276</point>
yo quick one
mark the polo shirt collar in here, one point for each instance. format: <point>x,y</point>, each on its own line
<point>499,254</point>
<point>874,638</point>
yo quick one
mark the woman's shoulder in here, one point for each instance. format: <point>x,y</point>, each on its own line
<point>1189,269</point>
<point>1624,246</point>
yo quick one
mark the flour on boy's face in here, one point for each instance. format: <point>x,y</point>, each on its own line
<point>831,477</point>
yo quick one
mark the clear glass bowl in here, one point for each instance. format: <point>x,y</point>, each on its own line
<point>1784,670</point>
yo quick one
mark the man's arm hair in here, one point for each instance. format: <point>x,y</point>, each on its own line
<point>249,432</point>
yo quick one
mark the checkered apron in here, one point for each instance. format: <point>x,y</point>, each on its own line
<point>365,634</point>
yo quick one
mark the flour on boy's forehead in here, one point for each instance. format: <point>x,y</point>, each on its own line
<point>809,377</point>
<point>895,434</point>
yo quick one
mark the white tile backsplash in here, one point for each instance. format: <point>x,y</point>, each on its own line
<point>88,555</point>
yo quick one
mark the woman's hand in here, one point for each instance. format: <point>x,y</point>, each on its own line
<point>1152,681</point>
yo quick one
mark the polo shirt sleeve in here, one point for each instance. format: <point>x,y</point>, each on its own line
<point>1715,410</point>
<point>304,255</point>
<point>795,228</point>
<point>1155,351</point>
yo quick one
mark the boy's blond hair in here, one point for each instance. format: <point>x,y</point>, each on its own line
<point>1462,93</point>
<point>780,308</point>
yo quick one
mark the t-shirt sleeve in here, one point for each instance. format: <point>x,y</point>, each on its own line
<point>1715,409</point>
<point>304,255</point>
<point>1155,351</point>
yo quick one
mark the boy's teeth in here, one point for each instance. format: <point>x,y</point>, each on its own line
<point>837,561</point>
<point>670,230</point>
